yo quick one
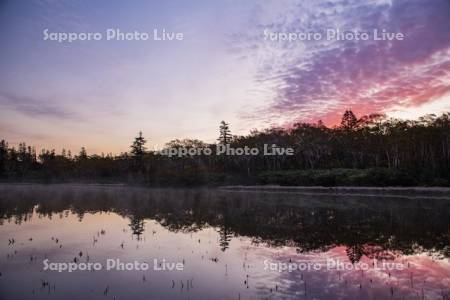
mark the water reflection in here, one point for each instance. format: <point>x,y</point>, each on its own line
<point>225,239</point>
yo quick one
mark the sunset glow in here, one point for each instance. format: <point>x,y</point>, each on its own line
<point>99,94</point>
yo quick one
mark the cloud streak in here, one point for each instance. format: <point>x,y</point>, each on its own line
<point>319,79</point>
<point>34,107</point>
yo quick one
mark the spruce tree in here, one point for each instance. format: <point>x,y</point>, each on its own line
<point>225,133</point>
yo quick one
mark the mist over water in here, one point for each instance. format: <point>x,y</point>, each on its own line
<point>225,241</point>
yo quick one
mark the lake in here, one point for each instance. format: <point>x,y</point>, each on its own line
<point>126,242</point>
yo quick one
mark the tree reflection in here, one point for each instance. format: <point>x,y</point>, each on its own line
<point>137,226</point>
<point>375,227</point>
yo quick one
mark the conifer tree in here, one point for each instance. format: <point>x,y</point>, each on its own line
<point>138,147</point>
<point>224,133</point>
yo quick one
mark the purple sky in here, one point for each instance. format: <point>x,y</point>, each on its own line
<point>99,94</point>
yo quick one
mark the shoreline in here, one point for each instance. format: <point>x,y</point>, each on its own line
<point>281,188</point>
<point>418,191</point>
<point>343,188</point>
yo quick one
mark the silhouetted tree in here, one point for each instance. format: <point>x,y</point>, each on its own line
<point>224,133</point>
<point>349,120</point>
<point>3,155</point>
<point>138,146</point>
<point>83,154</point>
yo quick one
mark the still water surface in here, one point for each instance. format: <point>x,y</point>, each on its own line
<point>229,244</point>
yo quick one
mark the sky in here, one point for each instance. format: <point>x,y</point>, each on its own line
<point>100,93</point>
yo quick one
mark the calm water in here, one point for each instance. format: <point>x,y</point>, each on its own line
<point>230,245</point>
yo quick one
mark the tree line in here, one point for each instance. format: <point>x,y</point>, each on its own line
<point>369,150</point>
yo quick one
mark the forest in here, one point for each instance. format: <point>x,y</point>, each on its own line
<point>371,150</point>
